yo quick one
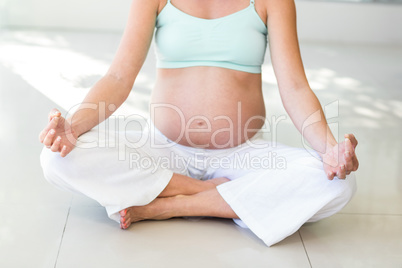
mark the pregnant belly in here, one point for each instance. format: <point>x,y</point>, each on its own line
<point>204,128</point>
<point>209,118</point>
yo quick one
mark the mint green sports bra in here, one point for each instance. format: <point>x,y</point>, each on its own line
<point>237,41</point>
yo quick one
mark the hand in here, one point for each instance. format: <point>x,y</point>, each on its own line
<point>341,159</point>
<point>58,135</point>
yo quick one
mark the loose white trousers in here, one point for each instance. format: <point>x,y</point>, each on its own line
<point>274,189</point>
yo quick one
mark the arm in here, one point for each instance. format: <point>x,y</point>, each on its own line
<point>114,88</point>
<point>116,85</point>
<point>298,99</point>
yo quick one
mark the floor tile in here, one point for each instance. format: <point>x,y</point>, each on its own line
<point>378,179</point>
<point>83,201</point>
<point>21,174</point>
<point>354,241</point>
<point>172,243</point>
<point>30,236</point>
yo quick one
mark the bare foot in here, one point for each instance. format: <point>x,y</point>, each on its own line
<point>156,210</point>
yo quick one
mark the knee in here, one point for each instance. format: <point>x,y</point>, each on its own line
<point>340,197</point>
<point>345,195</point>
<point>352,187</point>
<point>47,159</point>
<point>347,189</point>
<point>52,165</point>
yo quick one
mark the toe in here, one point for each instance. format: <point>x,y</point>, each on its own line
<point>126,224</point>
<point>123,219</point>
<point>123,212</point>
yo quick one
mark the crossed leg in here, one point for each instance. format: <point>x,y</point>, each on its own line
<point>184,185</point>
<point>183,196</point>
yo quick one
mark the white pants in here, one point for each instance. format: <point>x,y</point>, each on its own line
<point>274,189</point>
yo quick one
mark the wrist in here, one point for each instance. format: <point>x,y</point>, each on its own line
<point>328,149</point>
<point>329,144</point>
<point>75,128</point>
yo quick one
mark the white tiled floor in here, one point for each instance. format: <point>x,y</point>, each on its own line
<point>44,227</point>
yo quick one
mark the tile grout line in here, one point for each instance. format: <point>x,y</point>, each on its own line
<point>62,235</point>
<point>368,214</point>
<point>305,250</point>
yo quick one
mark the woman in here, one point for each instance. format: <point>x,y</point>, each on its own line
<point>207,106</point>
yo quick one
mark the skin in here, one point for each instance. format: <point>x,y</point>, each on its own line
<point>221,91</point>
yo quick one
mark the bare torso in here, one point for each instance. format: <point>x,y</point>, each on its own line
<point>207,107</point>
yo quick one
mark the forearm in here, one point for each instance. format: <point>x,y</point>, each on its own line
<point>100,102</point>
<point>307,115</point>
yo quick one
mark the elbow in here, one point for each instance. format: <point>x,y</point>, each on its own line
<point>122,83</point>
<point>122,77</point>
<point>297,83</point>
<point>295,87</point>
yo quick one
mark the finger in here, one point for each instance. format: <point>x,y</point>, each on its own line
<point>65,151</point>
<point>341,174</point>
<point>350,149</point>
<point>331,175</point>
<point>352,139</point>
<point>355,163</point>
<point>48,141</point>
<point>53,113</point>
<point>349,146</point>
<point>52,125</point>
<point>348,161</point>
<point>56,145</point>
<point>349,153</point>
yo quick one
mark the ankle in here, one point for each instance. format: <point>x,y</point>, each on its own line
<point>208,184</point>
<point>176,207</point>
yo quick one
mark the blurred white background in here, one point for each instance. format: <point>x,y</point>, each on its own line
<point>358,21</point>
